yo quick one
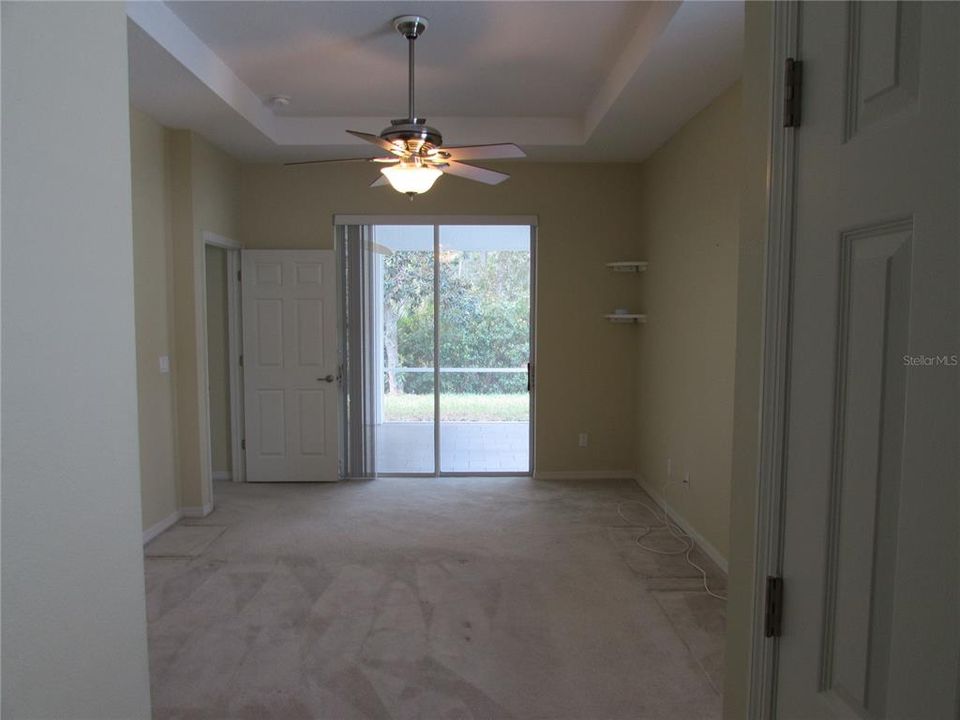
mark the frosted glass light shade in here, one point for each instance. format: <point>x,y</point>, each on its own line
<point>411,178</point>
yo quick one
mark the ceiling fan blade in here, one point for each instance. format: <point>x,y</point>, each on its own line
<point>377,140</point>
<point>340,160</point>
<point>380,181</point>
<point>484,152</point>
<point>472,172</point>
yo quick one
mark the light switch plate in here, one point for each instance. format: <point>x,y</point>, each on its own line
<point>164,364</point>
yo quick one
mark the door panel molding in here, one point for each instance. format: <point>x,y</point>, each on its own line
<point>270,438</point>
<point>869,407</point>
<point>879,84</point>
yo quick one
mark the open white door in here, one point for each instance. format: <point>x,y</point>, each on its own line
<point>870,554</point>
<point>290,365</point>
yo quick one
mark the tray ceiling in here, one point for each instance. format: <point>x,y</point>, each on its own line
<point>565,80</point>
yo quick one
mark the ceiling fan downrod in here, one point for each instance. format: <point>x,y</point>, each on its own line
<point>411,27</point>
<point>411,111</point>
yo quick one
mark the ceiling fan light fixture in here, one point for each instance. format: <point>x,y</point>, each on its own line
<point>411,178</point>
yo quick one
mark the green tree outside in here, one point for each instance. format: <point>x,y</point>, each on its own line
<point>484,320</point>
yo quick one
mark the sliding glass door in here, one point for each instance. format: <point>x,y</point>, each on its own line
<point>406,440</point>
<point>447,337</point>
<point>484,347</point>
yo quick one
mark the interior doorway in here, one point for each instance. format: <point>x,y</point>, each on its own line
<point>218,374</point>
<point>222,350</point>
<point>447,312</point>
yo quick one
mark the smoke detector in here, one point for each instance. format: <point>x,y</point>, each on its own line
<point>278,101</point>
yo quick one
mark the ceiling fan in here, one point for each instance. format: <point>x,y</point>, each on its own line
<point>417,156</point>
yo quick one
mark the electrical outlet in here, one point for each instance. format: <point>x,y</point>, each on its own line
<point>582,440</point>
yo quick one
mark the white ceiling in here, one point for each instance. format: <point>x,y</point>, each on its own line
<point>476,58</point>
<point>565,80</point>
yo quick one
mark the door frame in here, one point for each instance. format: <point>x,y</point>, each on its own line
<point>436,221</point>
<point>234,348</point>
<point>775,369</point>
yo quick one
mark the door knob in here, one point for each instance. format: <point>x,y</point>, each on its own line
<point>328,378</point>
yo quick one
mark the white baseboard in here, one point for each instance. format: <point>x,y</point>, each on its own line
<point>170,520</point>
<point>710,551</point>
<point>197,512</point>
<point>222,475</point>
<point>584,475</point>
<point>151,532</point>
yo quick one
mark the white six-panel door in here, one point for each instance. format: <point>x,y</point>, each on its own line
<point>870,561</point>
<point>290,365</point>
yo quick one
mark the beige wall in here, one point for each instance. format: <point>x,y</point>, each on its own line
<point>216,189</point>
<point>218,375</point>
<point>687,219</point>
<point>755,134</point>
<point>74,622</point>
<point>588,216</point>
<point>153,293</point>
<point>183,186</point>
<point>204,198</point>
<point>191,432</point>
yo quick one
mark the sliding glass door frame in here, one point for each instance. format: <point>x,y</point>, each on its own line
<point>531,362</point>
<point>436,221</point>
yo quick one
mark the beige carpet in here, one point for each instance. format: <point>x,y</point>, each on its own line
<point>482,598</point>
<point>183,541</point>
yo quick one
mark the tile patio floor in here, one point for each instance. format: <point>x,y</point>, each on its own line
<point>475,447</point>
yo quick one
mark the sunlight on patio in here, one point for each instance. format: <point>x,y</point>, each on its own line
<point>407,447</point>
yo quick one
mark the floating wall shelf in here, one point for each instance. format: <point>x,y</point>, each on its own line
<point>625,318</point>
<point>627,266</point>
<point>631,266</point>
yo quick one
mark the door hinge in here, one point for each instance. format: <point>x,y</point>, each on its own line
<point>773,615</point>
<point>241,360</point>
<point>792,87</point>
<point>243,444</point>
<point>238,276</point>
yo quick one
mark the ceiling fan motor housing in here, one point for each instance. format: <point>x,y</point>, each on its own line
<point>418,137</point>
